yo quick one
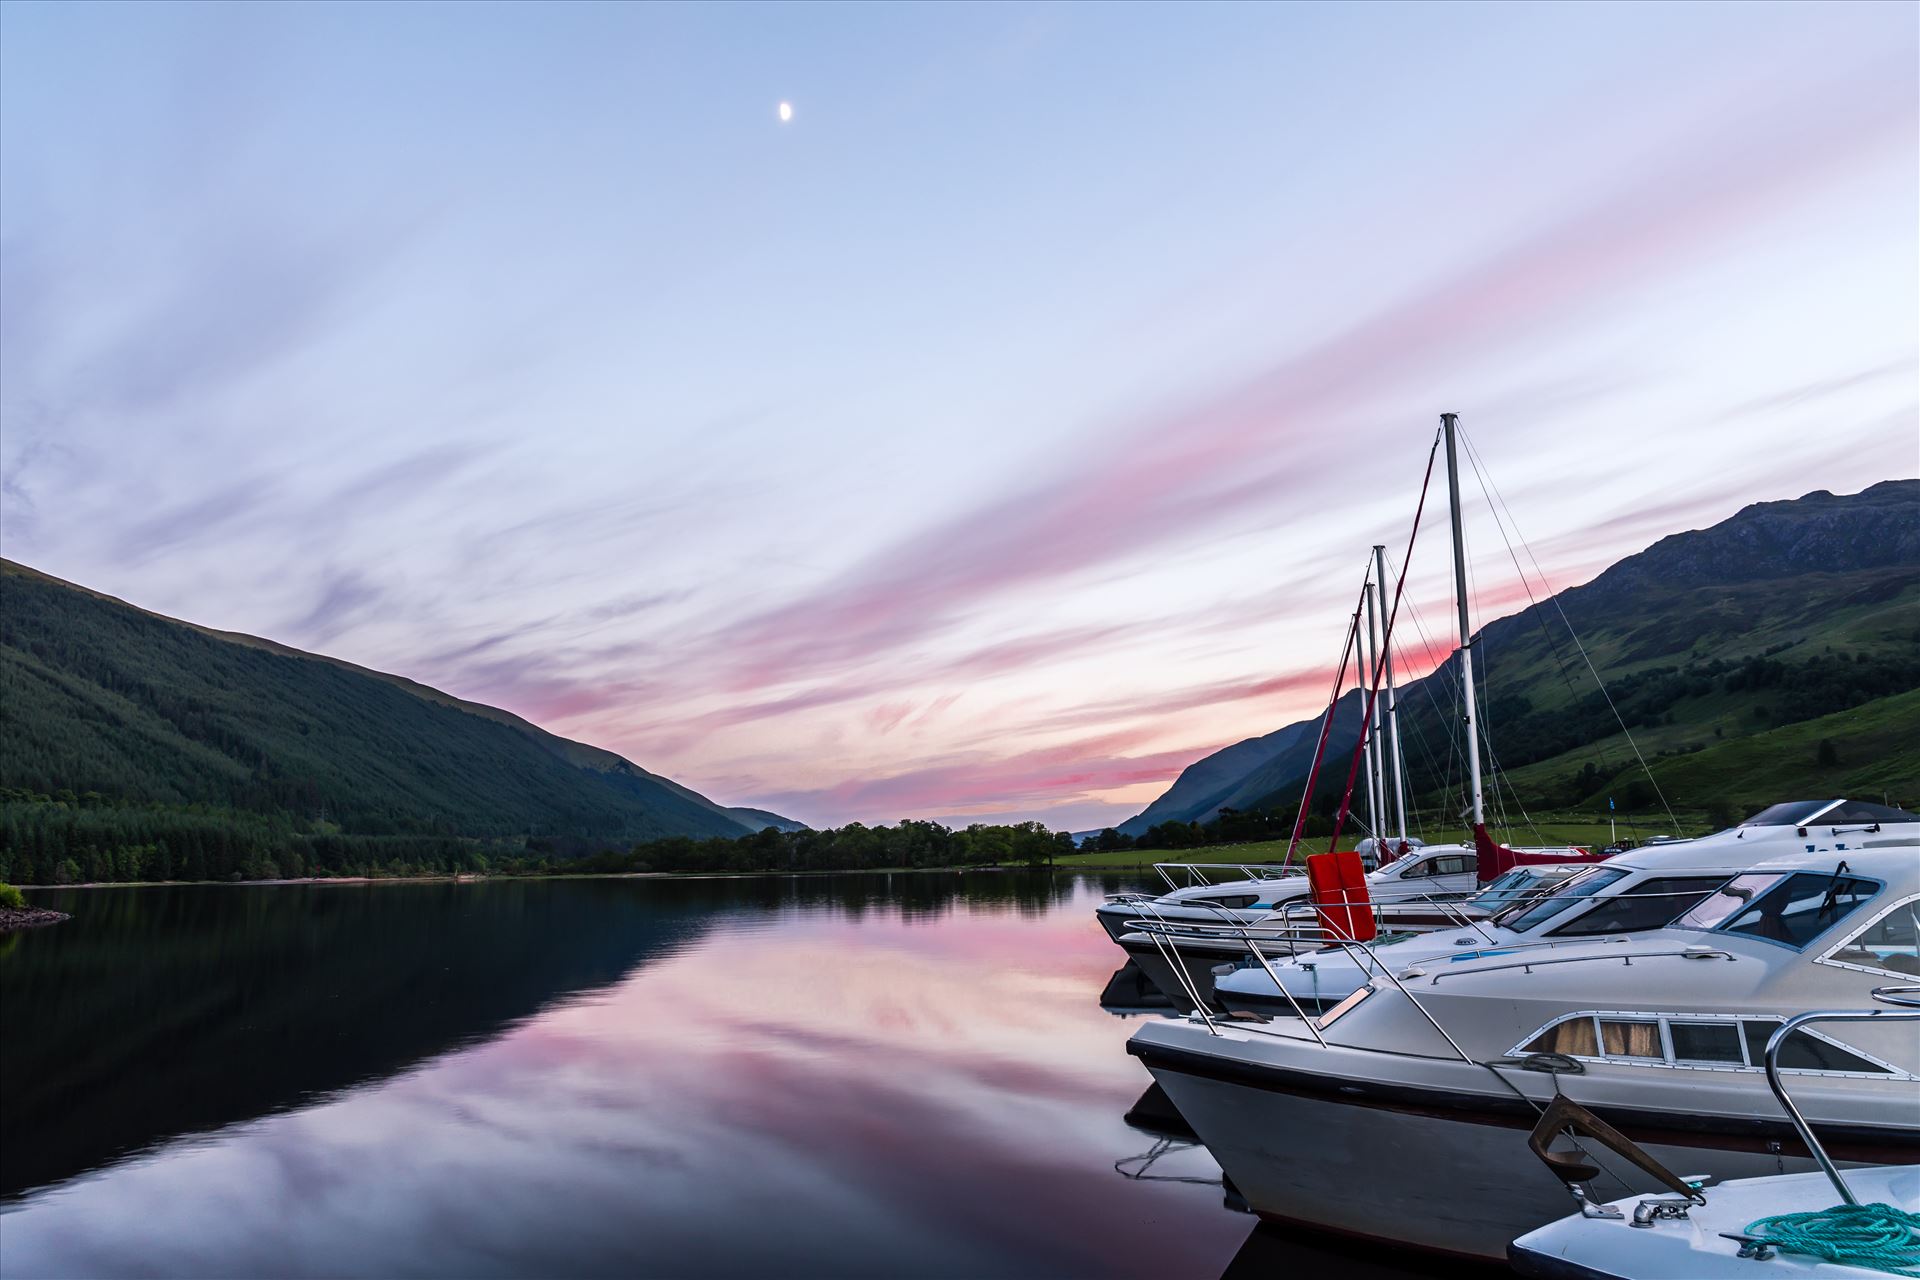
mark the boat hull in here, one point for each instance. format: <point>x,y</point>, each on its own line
<point>1408,1166</point>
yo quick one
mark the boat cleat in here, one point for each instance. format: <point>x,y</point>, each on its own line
<point>1589,1207</point>
<point>1655,1208</point>
<point>1758,1248</point>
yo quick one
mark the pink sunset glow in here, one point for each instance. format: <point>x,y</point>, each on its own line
<point>894,468</point>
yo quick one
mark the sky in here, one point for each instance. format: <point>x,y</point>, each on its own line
<point>997,436</point>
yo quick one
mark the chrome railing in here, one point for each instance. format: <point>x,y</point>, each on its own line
<point>1320,941</point>
<point>1907,997</point>
<point>1198,873</point>
<point>1627,958</point>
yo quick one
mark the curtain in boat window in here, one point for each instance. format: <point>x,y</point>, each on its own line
<point>1620,1039</point>
<point>1574,1036</point>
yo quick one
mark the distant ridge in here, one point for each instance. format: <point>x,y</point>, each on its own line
<point>97,695</point>
<point>1242,775</point>
<point>1712,641</point>
<point>760,820</point>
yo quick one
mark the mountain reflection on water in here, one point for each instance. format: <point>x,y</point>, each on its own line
<point>848,1075</point>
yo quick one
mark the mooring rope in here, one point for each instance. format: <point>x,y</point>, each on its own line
<point>1876,1236</point>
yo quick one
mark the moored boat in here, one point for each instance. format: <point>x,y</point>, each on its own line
<point>1643,889</point>
<point>1865,1222</point>
<point>1448,1066</point>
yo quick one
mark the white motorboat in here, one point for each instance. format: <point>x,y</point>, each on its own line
<point>1441,1069</point>
<point>1432,874</point>
<point>1243,900</point>
<point>1865,1222</point>
<point>1186,960</point>
<point>1642,889</point>
<point>1444,1067</point>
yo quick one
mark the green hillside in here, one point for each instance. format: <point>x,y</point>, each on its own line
<point>122,729</point>
<point>1731,653</point>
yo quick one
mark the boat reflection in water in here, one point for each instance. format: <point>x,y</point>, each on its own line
<point>1130,993</point>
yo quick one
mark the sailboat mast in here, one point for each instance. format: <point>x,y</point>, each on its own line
<point>1376,800</point>
<point>1449,423</point>
<point>1393,714</point>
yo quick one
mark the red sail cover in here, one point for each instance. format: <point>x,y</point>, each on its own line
<point>1495,860</point>
<point>1338,885</point>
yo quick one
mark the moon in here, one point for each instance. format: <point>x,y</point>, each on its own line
<point>786,112</point>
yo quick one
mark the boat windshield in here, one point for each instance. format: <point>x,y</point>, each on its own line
<point>1791,814</point>
<point>1524,915</point>
<point>1798,813</point>
<point>1518,883</point>
<point>1790,909</point>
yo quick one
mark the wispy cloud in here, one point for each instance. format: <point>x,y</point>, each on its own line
<point>1281,435</point>
<point>782,461</point>
<point>344,598</point>
<point>987,784</point>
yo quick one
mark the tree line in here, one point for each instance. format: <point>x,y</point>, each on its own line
<point>68,838</point>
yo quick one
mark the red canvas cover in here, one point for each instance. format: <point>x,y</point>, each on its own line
<point>1495,860</point>
<point>1338,885</point>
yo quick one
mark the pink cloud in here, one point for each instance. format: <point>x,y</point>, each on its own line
<point>884,718</point>
<point>1170,476</point>
<point>981,783</point>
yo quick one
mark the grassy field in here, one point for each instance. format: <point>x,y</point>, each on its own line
<point>1876,753</point>
<point>1548,828</point>
<point>1265,851</point>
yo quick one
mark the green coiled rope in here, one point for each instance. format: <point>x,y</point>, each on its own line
<point>1876,1236</point>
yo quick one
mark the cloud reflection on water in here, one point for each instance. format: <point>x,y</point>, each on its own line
<point>819,1091</point>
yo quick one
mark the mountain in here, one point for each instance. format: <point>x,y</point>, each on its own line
<point>1243,775</point>
<point>116,706</point>
<point>1774,652</point>
<point>760,820</point>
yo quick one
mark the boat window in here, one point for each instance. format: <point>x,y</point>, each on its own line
<point>1698,1042</point>
<point>1585,885</point>
<point>1573,1037</point>
<point>1647,905</point>
<point>1622,1039</point>
<point>1803,1052</point>
<point>1515,884</point>
<point>1706,1042</point>
<point>1802,907</point>
<point>1890,944</point>
<point>1848,812</point>
<point>1791,814</point>
<point>1507,880</point>
<point>1733,895</point>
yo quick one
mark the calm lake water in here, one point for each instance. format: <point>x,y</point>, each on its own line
<point>849,1076</point>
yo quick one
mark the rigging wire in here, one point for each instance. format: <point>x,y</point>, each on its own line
<point>1326,730</point>
<point>1400,588</point>
<point>1493,492</point>
<point>1539,614</point>
<point>1447,712</point>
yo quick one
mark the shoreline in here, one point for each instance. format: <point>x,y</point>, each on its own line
<point>473,878</point>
